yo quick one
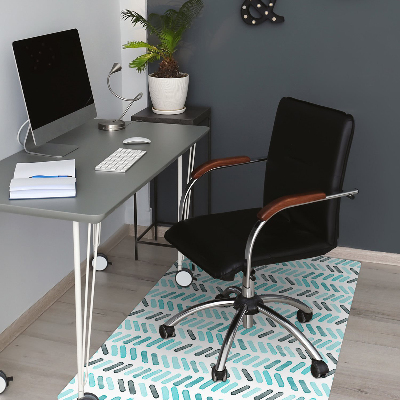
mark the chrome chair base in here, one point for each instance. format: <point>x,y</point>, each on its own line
<point>246,307</point>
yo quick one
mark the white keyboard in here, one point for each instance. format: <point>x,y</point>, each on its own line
<point>121,160</point>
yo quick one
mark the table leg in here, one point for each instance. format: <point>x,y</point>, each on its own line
<point>155,221</point>
<point>78,308</point>
<point>84,325</point>
<point>180,256</point>
<point>135,226</point>
<point>185,213</point>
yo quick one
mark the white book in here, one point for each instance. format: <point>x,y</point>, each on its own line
<point>47,168</point>
<point>42,183</point>
<point>41,194</point>
<point>43,180</point>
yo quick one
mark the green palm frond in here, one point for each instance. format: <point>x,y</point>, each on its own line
<point>139,44</point>
<point>169,41</point>
<point>136,18</point>
<point>181,19</point>
<point>140,63</point>
<point>155,20</point>
<point>169,19</point>
<point>187,13</point>
<point>161,22</point>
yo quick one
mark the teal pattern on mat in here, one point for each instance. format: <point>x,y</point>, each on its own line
<point>265,363</point>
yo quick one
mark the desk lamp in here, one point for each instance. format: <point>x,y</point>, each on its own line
<point>117,124</point>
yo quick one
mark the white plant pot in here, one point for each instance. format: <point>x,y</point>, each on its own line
<point>168,95</point>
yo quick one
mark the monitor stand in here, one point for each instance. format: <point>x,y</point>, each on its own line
<point>47,149</point>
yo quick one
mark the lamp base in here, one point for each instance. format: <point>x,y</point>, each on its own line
<point>110,125</point>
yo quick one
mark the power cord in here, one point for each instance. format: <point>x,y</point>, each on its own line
<point>20,129</point>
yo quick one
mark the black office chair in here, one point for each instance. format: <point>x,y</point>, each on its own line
<point>306,164</point>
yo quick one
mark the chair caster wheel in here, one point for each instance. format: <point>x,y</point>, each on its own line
<point>4,381</point>
<point>166,331</point>
<point>184,277</point>
<point>304,317</point>
<point>101,262</point>
<point>219,375</point>
<point>319,369</point>
<point>89,396</point>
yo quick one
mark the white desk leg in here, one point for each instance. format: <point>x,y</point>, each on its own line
<point>78,308</point>
<point>184,276</point>
<point>180,256</point>
<point>84,326</point>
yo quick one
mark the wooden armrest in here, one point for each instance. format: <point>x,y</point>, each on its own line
<point>218,162</point>
<point>288,201</point>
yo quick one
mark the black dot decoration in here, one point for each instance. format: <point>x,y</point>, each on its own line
<point>266,12</point>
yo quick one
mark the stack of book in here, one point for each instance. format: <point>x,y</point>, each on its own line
<point>43,180</point>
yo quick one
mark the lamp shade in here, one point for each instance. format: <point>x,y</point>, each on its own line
<point>115,68</point>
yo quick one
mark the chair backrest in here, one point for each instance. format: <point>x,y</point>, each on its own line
<point>309,149</point>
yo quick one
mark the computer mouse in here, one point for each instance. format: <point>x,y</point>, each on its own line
<point>136,140</point>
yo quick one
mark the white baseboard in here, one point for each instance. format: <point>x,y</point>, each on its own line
<point>377,257</point>
<point>34,312</point>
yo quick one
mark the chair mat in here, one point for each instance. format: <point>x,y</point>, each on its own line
<point>265,362</point>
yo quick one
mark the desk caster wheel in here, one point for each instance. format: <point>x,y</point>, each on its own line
<point>319,369</point>
<point>184,277</point>
<point>102,262</point>
<point>4,381</point>
<point>89,396</point>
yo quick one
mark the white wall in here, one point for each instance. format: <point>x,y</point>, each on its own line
<point>36,253</point>
<point>133,83</point>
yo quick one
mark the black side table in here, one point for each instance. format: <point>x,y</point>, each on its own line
<point>192,116</point>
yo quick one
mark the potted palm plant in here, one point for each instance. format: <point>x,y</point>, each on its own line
<point>168,86</point>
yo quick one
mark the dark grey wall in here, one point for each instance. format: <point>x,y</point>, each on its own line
<point>338,53</point>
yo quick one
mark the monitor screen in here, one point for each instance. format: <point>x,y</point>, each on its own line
<point>54,82</point>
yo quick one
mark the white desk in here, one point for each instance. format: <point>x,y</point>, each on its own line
<point>98,195</point>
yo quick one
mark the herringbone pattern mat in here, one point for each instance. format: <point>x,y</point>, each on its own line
<point>265,363</point>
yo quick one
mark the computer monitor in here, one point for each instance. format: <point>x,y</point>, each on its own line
<point>56,88</point>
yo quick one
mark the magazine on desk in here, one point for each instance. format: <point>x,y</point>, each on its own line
<point>43,180</point>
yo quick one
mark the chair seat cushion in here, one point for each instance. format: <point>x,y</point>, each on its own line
<point>217,242</point>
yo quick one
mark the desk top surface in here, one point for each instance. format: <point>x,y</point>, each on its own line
<point>98,194</point>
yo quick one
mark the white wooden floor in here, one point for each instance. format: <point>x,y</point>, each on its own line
<point>42,359</point>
